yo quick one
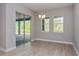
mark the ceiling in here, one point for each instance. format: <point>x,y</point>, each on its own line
<point>37,7</point>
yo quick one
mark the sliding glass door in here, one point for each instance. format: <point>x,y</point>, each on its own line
<point>27,28</point>
<point>22,29</point>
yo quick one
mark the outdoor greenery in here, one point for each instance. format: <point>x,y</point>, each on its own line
<point>45,25</point>
<point>57,24</point>
<point>27,27</point>
<point>58,27</point>
<point>16,27</point>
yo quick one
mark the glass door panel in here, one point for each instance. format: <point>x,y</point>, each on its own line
<point>22,28</point>
<point>19,29</point>
<point>16,27</point>
<point>27,30</point>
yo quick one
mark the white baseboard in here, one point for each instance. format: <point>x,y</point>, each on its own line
<point>7,50</point>
<point>55,41</point>
<point>61,42</point>
<point>76,50</point>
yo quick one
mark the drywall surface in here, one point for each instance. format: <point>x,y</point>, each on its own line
<point>2,26</point>
<point>67,35</point>
<point>8,22</point>
<point>76,27</point>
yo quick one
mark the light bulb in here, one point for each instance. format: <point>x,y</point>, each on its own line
<point>39,16</point>
<point>43,16</point>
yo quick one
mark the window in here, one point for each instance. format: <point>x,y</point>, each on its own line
<point>45,24</point>
<point>58,24</point>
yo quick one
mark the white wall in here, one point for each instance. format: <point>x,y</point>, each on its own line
<point>8,25</point>
<point>76,27</point>
<point>67,36</point>
<point>8,19</point>
<point>2,26</point>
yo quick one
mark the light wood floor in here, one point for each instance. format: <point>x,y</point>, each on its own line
<point>41,48</point>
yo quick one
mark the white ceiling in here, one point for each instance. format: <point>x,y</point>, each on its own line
<point>37,7</point>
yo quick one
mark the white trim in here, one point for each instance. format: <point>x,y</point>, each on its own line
<point>61,42</point>
<point>75,50</point>
<point>64,42</point>
<point>7,50</point>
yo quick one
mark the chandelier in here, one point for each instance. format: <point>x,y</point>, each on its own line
<point>42,16</point>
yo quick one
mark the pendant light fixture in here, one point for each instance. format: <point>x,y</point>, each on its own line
<point>42,16</point>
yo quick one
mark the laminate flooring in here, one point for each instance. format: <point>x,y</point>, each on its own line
<point>42,48</point>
